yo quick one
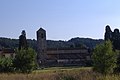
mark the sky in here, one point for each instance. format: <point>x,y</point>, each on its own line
<point>62,19</point>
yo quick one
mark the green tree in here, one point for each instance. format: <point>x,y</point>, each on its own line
<point>6,64</point>
<point>104,58</point>
<point>117,69</point>
<point>25,60</point>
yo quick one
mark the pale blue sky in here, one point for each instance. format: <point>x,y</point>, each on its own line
<point>63,19</point>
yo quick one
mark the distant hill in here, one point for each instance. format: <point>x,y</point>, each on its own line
<point>72,43</point>
<point>88,42</point>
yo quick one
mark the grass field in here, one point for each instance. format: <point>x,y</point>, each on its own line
<point>60,73</point>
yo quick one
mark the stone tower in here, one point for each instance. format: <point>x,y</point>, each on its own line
<point>41,47</point>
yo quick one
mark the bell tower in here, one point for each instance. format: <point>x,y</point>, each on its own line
<point>41,46</point>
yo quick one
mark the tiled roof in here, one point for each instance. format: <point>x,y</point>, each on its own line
<point>7,50</point>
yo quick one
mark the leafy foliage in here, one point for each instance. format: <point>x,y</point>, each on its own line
<point>6,64</point>
<point>25,60</point>
<point>104,58</point>
<point>117,69</point>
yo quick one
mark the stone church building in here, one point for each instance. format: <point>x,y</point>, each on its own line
<point>60,57</point>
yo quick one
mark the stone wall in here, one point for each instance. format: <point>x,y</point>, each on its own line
<point>69,57</point>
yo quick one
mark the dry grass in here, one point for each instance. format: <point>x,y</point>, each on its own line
<point>60,74</point>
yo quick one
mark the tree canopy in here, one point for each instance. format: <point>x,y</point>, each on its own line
<point>25,60</point>
<point>104,58</point>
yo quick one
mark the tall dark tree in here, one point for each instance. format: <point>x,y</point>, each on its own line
<point>116,39</point>
<point>108,33</point>
<point>23,41</point>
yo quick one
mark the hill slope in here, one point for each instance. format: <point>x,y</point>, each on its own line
<point>72,43</point>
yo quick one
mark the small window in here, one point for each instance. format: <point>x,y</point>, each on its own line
<point>42,36</point>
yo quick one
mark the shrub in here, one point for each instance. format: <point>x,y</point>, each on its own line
<point>25,60</point>
<point>104,58</point>
<point>6,64</point>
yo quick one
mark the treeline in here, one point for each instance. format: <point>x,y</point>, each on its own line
<point>72,43</point>
<point>14,43</point>
<point>24,60</point>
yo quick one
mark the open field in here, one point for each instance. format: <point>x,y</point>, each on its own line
<point>60,73</point>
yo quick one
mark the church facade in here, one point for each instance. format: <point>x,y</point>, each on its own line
<point>60,57</point>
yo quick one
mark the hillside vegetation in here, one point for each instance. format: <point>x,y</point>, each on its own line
<point>72,43</point>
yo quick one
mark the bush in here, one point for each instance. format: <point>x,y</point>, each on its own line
<point>6,64</point>
<point>117,69</point>
<point>25,60</point>
<point>104,58</point>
